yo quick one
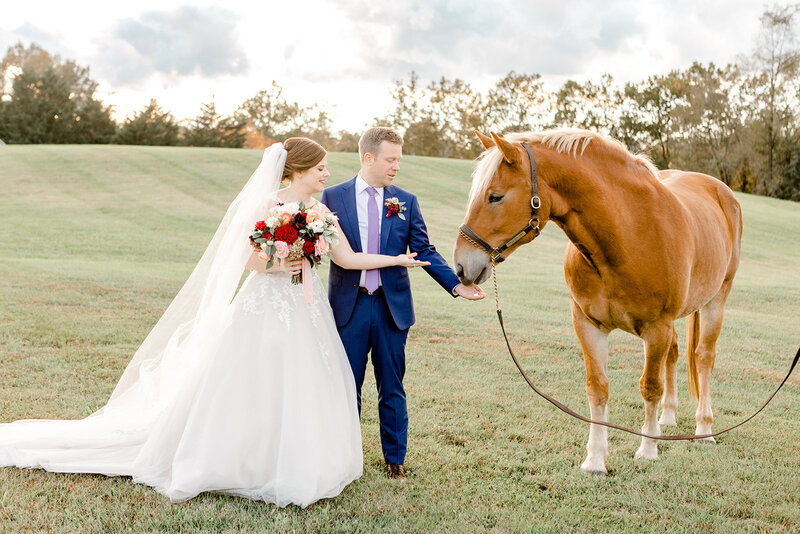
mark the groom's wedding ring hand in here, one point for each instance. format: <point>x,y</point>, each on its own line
<point>473,292</point>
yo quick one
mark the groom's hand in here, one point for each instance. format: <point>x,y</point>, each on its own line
<point>472,292</point>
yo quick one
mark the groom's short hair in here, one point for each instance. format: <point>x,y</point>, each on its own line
<point>371,140</point>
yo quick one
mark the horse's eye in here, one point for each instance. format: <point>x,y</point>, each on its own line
<point>494,197</point>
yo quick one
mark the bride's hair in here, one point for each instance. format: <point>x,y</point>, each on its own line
<point>301,154</point>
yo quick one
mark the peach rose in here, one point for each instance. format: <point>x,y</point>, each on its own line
<point>321,246</point>
<point>313,216</point>
<point>281,249</point>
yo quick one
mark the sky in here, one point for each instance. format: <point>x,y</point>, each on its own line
<point>345,55</point>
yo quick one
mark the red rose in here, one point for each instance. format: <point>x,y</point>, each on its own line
<point>267,236</point>
<point>286,233</point>
<point>308,248</point>
<point>261,225</point>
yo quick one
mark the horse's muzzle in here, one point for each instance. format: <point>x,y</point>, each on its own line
<point>472,266</point>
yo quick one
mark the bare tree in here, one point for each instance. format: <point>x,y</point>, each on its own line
<point>774,68</point>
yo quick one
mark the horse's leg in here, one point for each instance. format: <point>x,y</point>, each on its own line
<point>594,343</point>
<point>657,341</point>
<point>669,402</point>
<point>710,327</point>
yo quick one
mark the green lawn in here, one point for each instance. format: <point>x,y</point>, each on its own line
<point>96,240</point>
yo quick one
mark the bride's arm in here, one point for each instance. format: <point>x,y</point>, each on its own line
<point>344,256</point>
<point>254,263</point>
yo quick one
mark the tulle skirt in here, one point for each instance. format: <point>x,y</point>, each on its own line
<point>265,409</point>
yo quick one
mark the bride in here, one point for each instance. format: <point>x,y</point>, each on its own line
<point>249,395</point>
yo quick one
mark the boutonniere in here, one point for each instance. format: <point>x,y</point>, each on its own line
<point>395,207</point>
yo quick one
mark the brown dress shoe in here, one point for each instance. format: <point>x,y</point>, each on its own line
<point>396,471</point>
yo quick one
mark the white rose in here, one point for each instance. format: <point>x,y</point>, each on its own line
<point>271,222</point>
<point>291,207</point>
<point>317,226</point>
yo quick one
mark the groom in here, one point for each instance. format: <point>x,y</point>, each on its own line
<point>374,309</point>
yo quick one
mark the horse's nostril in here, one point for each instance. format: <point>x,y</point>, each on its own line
<point>459,271</point>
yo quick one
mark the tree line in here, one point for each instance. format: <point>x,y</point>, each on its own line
<point>45,99</point>
<point>739,122</point>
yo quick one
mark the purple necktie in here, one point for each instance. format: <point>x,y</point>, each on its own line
<point>373,239</point>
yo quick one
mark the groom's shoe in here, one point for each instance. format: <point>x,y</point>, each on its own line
<point>396,471</point>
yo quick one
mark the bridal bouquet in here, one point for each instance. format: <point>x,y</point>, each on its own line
<point>292,231</point>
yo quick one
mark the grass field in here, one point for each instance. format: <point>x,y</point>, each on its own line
<point>96,240</point>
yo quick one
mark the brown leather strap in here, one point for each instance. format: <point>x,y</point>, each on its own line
<point>496,254</point>
<point>568,411</point>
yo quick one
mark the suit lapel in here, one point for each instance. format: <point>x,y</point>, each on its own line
<point>349,219</point>
<point>386,223</point>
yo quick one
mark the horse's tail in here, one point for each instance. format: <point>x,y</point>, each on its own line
<point>692,334</point>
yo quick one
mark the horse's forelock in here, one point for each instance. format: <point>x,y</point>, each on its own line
<point>488,162</point>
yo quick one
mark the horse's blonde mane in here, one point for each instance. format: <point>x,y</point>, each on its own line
<point>565,140</point>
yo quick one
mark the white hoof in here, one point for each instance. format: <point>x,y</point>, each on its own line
<point>668,419</point>
<point>594,465</point>
<point>647,451</point>
<point>701,430</point>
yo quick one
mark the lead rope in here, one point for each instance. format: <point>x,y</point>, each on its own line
<point>569,411</point>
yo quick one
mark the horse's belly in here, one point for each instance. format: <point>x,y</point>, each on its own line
<point>630,303</point>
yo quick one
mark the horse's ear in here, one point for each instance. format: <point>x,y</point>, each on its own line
<point>506,148</point>
<point>485,141</point>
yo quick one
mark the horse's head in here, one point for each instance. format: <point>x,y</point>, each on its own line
<point>499,206</point>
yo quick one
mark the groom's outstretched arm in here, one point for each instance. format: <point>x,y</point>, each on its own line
<point>419,242</point>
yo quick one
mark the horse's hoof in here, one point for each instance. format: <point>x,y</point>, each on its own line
<point>594,467</point>
<point>595,472</point>
<point>668,420</point>
<point>646,453</point>
<point>709,440</point>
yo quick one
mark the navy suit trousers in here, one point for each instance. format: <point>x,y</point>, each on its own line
<point>371,328</point>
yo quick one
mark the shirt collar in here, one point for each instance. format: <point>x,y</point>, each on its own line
<point>361,185</point>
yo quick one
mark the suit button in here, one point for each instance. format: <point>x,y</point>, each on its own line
<point>355,285</point>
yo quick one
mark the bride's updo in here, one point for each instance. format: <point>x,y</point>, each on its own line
<point>301,154</point>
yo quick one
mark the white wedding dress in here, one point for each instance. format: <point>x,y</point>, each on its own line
<point>252,396</point>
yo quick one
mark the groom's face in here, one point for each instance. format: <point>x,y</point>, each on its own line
<point>383,167</point>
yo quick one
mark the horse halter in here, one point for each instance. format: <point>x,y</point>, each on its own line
<point>496,254</point>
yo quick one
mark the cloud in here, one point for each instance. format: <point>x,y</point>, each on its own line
<point>182,42</point>
<point>475,39</point>
<point>27,33</point>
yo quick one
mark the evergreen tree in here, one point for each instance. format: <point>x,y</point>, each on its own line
<point>49,100</point>
<point>150,126</point>
<point>212,129</point>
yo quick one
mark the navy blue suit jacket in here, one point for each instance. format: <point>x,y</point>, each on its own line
<point>397,237</point>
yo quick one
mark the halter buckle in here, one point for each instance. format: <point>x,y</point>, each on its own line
<point>536,202</point>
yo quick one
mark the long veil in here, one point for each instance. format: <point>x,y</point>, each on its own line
<point>168,362</point>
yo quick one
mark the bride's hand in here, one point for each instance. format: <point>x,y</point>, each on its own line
<point>407,260</point>
<point>289,266</point>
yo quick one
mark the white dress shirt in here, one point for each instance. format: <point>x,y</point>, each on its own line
<point>362,196</point>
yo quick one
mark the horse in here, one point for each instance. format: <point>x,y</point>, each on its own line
<point>646,247</point>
